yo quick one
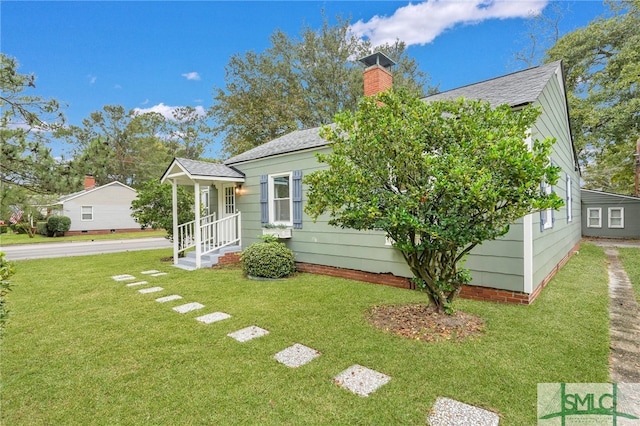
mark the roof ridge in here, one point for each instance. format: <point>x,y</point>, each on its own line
<point>496,78</point>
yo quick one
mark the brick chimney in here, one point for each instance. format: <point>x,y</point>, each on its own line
<point>89,182</point>
<point>377,77</point>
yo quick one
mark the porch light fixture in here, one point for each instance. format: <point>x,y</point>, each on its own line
<point>238,189</point>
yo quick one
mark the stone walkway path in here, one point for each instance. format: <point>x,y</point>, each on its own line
<point>359,380</point>
<point>624,314</point>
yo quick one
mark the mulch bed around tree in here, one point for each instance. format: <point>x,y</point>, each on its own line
<point>423,322</point>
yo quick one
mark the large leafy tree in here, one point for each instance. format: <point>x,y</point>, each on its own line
<point>438,177</point>
<point>298,83</point>
<point>188,133</point>
<point>114,144</point>
<point>602,66</point>
<point>26,123</point>
<point>153,206</point>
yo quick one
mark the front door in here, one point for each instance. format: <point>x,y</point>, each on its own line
<point>227,231</point>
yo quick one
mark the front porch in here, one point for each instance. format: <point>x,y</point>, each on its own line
<point>216,228</point>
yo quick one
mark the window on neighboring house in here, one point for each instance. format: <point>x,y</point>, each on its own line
<point>281,199</point>
<point>594,217</point>
<point>569,200</point>
<point>616,217</point>
<point>87,212</point>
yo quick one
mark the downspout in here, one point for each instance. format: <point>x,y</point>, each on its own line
<point>174,214</point>
<point>197,231</point>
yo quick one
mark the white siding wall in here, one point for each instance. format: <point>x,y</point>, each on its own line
<point>111,209</point>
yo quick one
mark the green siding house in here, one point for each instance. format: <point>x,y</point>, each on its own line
<point>606,215</point>
<point>268,190</point>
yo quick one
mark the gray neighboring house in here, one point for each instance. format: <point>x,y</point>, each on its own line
<point>99,209</point>
<point>607,215</point>
<point>269,190</point>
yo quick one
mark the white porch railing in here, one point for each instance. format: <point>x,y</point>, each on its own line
<point>186,237</point>
<point>220,233</point>
<point>213,234</point>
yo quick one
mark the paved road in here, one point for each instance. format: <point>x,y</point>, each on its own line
<point>81,248</point>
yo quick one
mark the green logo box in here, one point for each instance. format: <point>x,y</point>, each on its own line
<point>565,404</point>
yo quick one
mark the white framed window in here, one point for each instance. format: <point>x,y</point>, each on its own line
<point>594,217</point>
<point>86,213</point>
<point>547,216</point>
<point>229,200</point>
<point>616,217</point>
<point>569,200</point>
<point>204,201</point>
<point>280,199</point>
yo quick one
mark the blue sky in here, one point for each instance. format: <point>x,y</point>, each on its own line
<point>159,55</point>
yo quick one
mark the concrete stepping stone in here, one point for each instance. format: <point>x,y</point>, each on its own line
<point>361,380</point>
<point>158,274</point>
<point>137,283</point>
<point>150,271</point>
<point>123,277</point>
<point>296,355</point>
<point>447,412</point>
<point>168,298</point>
<point>213,317</point>
<point>188,307</point>
<point>248,333</point>
<point>150,290</point>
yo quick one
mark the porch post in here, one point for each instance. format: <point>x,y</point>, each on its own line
<point>197,231</point>
<point>174,213</point>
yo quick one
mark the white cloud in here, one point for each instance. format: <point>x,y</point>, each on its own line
<point>421,23</point>
<point>145,102</point>
<point>191,76</point>
<point>167,110</point>
<point>92,79</point>
<point>117,86</point>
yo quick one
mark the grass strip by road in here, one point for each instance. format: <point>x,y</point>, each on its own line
<point>630,258</point>
<point>12,239</point>
<point>82,349</point>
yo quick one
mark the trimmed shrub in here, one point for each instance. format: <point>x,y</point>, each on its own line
<point>41,228</point>
<point>268,260</point>
<point>58,225</point>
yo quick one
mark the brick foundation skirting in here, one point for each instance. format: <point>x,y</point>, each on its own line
<point>467,292</point>
<point>229,258</point>
<point>106,231</point>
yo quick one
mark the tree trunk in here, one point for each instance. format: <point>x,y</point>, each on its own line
<point>439,274</point>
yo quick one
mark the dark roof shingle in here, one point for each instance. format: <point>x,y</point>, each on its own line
<point>294,141</point>
<point>203,168</point>
<point>515,89</point>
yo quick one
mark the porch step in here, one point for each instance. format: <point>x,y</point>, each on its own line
<point>208,260</point>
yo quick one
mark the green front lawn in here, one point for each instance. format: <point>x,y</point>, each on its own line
<point>10,238</point>
<point>81,348</point>
<point>630,258</point>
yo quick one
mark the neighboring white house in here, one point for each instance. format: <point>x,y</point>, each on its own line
<point>99,209</point>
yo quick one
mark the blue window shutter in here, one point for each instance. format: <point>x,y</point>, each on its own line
<point>264,200</point>
<point>297,199</point>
